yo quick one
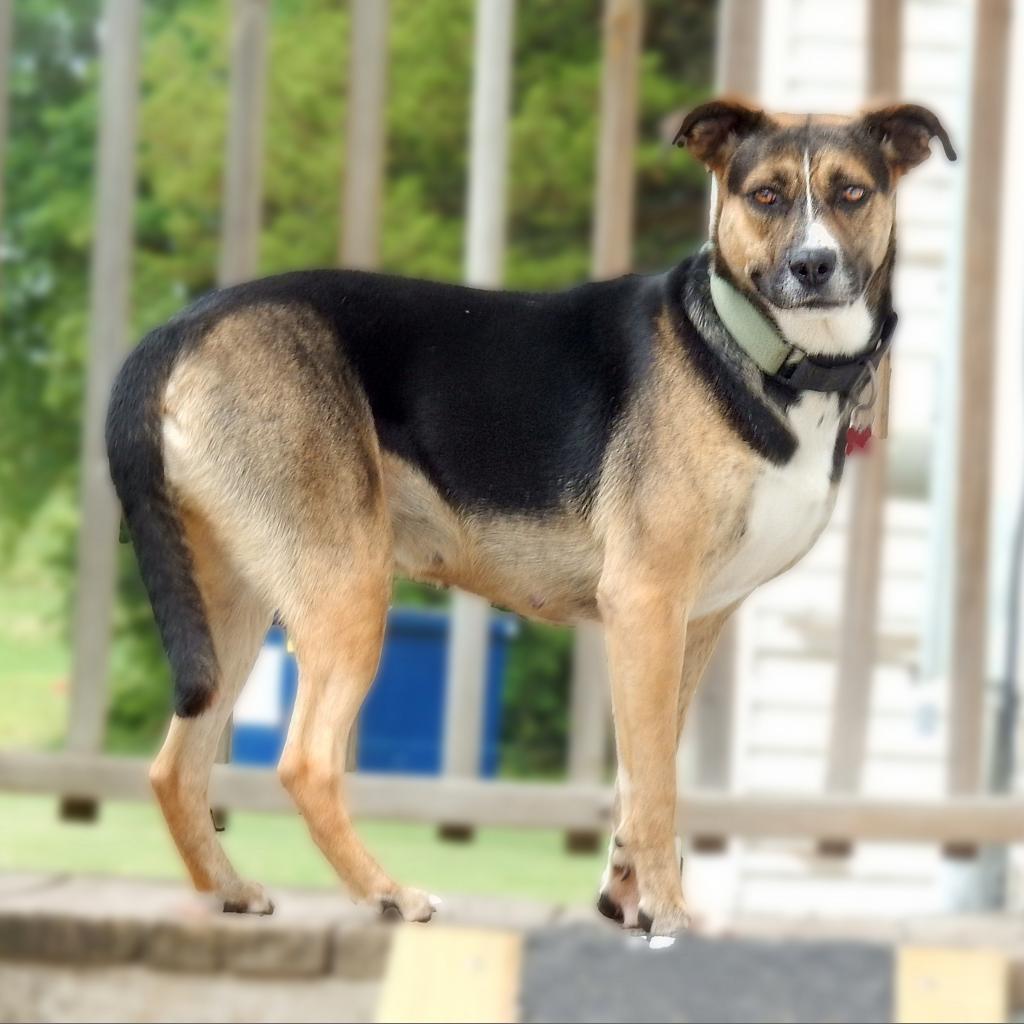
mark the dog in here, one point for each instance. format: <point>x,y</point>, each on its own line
<point>643,452</point>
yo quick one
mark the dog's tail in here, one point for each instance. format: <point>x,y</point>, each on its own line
<point>135,449</point>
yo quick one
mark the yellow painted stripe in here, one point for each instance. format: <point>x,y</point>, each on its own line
<point>935,985</point>
<point>451,974</point>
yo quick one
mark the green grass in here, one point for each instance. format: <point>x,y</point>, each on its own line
<point>33,672</point>
<point>130,840</point>
<point>34,657</point>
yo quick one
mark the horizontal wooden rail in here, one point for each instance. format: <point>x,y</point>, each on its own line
<point>974,820</point>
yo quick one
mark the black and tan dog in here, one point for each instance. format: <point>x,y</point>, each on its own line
<point>644,452</point>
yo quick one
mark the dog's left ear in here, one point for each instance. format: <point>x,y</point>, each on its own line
<point>714,130</point>
<point>905,132</point>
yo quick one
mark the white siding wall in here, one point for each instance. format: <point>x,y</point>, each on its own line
<point>814,60</point>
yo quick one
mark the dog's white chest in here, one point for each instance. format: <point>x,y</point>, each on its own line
<point>788,508</point>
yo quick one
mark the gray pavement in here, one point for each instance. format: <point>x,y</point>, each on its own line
<point>578,973</point>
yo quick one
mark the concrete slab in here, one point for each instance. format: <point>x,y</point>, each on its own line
<point>137,945</point>
<point>59,993</point>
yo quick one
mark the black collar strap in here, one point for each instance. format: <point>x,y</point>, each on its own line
<point>846,378</point>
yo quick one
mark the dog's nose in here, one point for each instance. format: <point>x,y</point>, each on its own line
<point>813,267</point>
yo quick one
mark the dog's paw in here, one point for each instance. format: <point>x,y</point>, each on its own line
<point>406,904</point>
<point>246,898</point>
<point>663,920</point>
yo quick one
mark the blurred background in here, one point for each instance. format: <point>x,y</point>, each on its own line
<point>854,793</point>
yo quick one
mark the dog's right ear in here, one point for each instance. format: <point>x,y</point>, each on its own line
<point>713,130</point>
<point>905,132</point>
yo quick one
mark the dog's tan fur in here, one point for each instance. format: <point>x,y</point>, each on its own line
<point>289,504</point>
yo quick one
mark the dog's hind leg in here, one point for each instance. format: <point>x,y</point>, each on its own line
<point>180,775</point>
<point>338,642</point>
<point>269,434</point>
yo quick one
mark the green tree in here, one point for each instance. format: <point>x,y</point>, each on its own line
<point>45,249</point>
<point>48,227</point>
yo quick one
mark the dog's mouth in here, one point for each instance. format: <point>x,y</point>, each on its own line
<point>794,301</point>
<point>813,305</point>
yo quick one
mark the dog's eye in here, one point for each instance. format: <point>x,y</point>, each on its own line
<point>766,196</point>
<point>853,193</point>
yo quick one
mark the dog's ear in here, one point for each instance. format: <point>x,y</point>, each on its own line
<point>905,132</point>
<point>713,130</point>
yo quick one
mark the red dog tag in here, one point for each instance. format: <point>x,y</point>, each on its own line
<point>857,440</point>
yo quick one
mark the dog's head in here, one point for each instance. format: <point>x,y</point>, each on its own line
<point>805,204</point>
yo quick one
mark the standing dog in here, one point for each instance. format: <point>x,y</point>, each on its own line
<point>644,452</point>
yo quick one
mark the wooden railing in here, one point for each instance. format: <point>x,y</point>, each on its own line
<point>582,804</point>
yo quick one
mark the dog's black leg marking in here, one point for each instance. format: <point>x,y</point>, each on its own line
<point>607,907</point>
<point>241,907</point>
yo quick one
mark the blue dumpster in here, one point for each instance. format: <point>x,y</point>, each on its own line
<point>401,727</point>
<point>264,706</point>
<point>402,723</point>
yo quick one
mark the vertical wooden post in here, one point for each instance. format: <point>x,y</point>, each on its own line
<point>359,244</point>
<point>243,182</point>
<point>108,335</point>
<point>715,713</point>
<point>977,358</point>
<point>589,718</point>
<point>612,254</point>
<point>488,159</point>
<point>364,138</point>
<point>243,174</point>
<point>851,709</point>
<point>738,55</point>
<point>738,73</point>
<point>485,251</point>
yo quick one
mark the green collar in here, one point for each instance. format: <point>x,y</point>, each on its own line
<point>750,328</point>
<point>787,364</point>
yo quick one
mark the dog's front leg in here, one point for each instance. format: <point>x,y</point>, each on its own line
<point>645,628</point>
<point>620,894</point>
